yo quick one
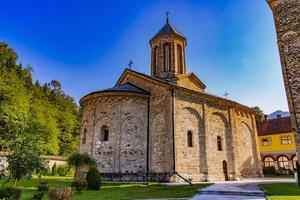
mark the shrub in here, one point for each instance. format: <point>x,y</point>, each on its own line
<point>76,160</point>
<point>54,170</point>
<point>60,193</point>
<point>43,186</point>
<point>62,170</point>
<point>79,184</point>
<point>38,195</point>
<point>93,179</point>
<point>10,193</point>
<point>269,170</point>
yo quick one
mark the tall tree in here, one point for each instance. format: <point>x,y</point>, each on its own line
<point>28,108</point>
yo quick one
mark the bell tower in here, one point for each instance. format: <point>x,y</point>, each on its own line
<point>168,52</point>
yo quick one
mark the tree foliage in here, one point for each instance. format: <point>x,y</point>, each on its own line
<point>44,112</point>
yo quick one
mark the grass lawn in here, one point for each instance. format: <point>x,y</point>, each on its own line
<point>282,191</point>
<point>115,190</point>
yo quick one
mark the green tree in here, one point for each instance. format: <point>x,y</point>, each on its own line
<point>77,160</point>
<point>24,158</point>
<point>43,111</point>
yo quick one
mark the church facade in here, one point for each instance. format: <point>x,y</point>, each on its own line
<point>165,127</point>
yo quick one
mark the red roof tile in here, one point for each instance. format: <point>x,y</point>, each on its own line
<point>274,126</point>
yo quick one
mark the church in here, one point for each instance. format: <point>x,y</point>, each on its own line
<point>165,126</point>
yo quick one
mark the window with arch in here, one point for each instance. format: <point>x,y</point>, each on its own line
<point>283,162</point>
<point>167,56</point>
<point>190,138</point>
<point>179,59</point>
<point>155,64</point>
<point>295,162</point>
<point>219,143</point>
<point>84,136</point>
<point>104,133</point>
<point>268,161</point>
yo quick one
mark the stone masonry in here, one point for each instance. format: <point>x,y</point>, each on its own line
<point>165,127</point>
<point>287,21</point>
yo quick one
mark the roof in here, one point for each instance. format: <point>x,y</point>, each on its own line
<point>274,126</point>
<point>168,29</point>
<point>205,94</point>
<point>126,87</point>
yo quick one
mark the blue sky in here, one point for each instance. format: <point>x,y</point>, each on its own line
<point>87,44</point>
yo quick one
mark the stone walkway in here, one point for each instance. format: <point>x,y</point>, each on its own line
<point>237,190</point>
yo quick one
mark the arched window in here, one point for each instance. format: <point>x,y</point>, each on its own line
<point>283,162</point>
<point>179,59</point>
<point>84,136</point>
<point>219,143</point>
<point>167,57</point>
<point>155,64</point>
<point>104,133</point>
<point>190,139</point>
<point>268,161</point>
<point>294,162</point>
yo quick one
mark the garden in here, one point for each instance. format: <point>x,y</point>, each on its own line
<point>58,183</point>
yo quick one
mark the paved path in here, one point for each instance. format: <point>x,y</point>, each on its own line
<point>237,190</point>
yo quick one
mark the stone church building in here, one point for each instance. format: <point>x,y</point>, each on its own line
<point>165,127</point>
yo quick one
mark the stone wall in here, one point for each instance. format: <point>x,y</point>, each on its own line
<point>247,157</point>
<point>287,21</point>
<point>160,123</point>
<point>190,161</point>
<point>126,119</point>
<point>207,120</point>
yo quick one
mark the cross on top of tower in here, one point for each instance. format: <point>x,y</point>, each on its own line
<point>130,64</point>
<point>226,94</point>
<point>167,16</point>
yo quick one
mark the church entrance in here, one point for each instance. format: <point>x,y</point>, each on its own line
<point>225,170</point>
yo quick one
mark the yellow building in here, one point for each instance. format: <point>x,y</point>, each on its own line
<point>277,143</point>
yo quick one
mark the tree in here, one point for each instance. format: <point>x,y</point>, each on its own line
<point>24,158</point>
<point>77,160</point>
<point>43,111</point>
<point>259,114</point>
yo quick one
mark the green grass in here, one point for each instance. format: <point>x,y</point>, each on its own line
<point>115,190</point>
<point>282,191</point>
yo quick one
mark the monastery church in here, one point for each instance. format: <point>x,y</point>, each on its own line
<point>165,127</point>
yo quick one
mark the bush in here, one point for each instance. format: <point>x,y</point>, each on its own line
<point>60,193</point>
<point>43,186</point>
<point>63,170</point>
<point>38,195</point>
<point>10,193</point>
<point>54,170</point>
<point>93,179</point>
<point>79,184</point>
<point>76,160</point>
<point>269,170</point>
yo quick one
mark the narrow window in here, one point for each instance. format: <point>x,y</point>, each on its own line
<point>219,142</point>
<point>155,64</point>
<point>104,133</point>
<point>167,57</point>
<point>190,139</point>
<point>179,59</point>
<point>84,136</point>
